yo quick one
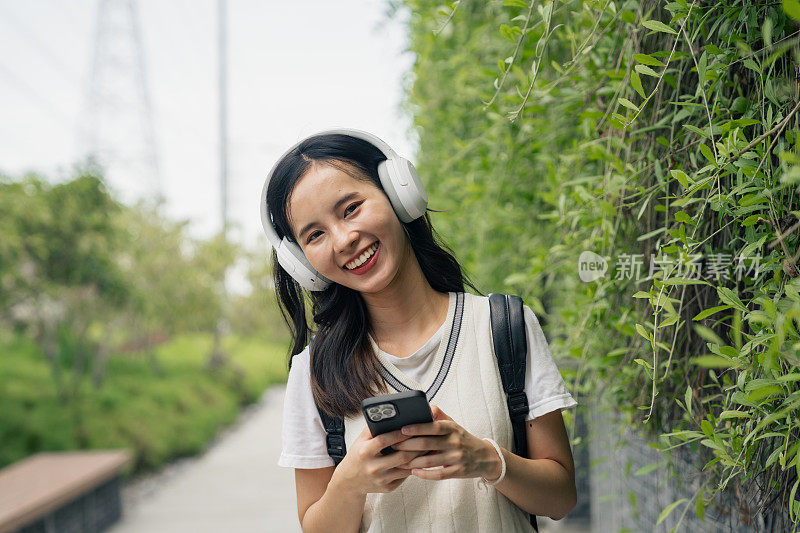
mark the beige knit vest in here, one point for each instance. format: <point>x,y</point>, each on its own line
<point>466,385</point>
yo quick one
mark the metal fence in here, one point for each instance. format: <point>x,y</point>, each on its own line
<point>624,501</point>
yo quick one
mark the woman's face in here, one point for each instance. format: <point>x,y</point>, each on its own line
<point>336,219</point>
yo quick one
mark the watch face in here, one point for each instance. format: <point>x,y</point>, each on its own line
<point>382,411</point>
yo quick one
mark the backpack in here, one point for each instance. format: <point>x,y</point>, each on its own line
<point>510,348</point>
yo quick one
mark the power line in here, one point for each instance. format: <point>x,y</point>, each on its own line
<point>30,36</point>
<point>45,105</point>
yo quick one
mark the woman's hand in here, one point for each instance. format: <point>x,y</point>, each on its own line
<point>460,453</point>
<point>365,469</point>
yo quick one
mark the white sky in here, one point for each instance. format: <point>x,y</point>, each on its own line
<point>295,67</point>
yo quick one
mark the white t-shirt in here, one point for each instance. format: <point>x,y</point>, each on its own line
<point>303,435</point>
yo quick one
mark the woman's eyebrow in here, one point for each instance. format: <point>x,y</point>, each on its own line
<point>336,206</point>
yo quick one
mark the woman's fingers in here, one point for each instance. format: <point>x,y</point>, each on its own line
<point>422,444</point>
<point>438,414</point>
<point>437,427</point>
<point>386,439</point>
<point>397,459</point>
<point>438,473</point>
<point>364,435</point>
<point>392,485</point>
<point>429,460</point>
<point>397,473</point>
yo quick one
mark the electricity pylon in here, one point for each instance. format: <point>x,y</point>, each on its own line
<point>118,127</point>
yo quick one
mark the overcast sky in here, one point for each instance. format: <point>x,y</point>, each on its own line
<point>295,67</point>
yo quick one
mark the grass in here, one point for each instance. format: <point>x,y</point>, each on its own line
<point>156,416</point>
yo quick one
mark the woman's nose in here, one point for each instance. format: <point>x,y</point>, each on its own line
<point>344,239</point>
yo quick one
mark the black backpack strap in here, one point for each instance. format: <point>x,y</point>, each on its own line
<point>334,429</point>
<point>334,438</point>
<point>510,349</point>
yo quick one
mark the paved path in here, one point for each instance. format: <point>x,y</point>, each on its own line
<point>234,487</point>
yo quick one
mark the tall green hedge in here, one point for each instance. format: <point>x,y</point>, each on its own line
<point>664,138</point>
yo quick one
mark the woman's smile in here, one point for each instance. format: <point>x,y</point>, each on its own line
<point>365,261</point>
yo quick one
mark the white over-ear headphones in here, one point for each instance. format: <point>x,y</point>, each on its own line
<point>400,182</point>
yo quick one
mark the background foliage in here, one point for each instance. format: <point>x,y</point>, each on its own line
<point>662,136</point>
<point>107,314</point>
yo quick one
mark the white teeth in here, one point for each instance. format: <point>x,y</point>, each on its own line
<point>362,258</point>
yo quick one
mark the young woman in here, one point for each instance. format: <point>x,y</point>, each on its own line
<point>348,220</point>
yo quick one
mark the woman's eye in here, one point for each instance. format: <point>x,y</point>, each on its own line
<point>354,206</point>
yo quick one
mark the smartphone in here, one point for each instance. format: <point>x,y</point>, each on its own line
<point>388,412</point>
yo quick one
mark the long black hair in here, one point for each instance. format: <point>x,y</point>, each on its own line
<point>344,370</point>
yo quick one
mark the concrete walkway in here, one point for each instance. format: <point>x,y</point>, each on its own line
<point>235,486</point>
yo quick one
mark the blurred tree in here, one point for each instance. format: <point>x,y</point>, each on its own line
<point>257,313</point>
<point>57,272</point>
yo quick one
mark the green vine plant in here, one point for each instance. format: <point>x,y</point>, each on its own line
<point>661,130</point>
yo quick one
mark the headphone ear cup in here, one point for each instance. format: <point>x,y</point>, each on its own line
<point>409,178</point>
<point>404,188</point>
<point>294,261</point>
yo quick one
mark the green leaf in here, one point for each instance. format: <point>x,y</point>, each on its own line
<point>729,351</point>
<point>645,59</point>
<point>759,393</point>
<point>653,233</point>
<point>646,469</point>
<point>684,281</point>
<point>733,414</point>
<point>509,32</point>
<point>751,64</point>
<point>711,444</point>
<point>643,332</point>
<point>682,178</point>
<point>643,69</point>
<point>696,130</point>
<point>793,491</point>
<point>687,399</point>
<point>729,297</point>
<point>708,334</point>
<point>708,312</point>
<point>699,507</point>
<point>627,103</point>
<point>752,219</point>
<point>773,456</point>
<point>701,69</point>
<point>714,361</point>
<point>658,26</point>
<point>515,3</point>
<point>669,509</point>
<point>792,8</point>
<point>708,154</point>
<point>739,105</point>
<point>636,83</point>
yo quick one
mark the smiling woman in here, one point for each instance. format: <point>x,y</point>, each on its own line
<point>348,220</point>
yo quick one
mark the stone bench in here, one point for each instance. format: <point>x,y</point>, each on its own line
<point>62,492</point>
